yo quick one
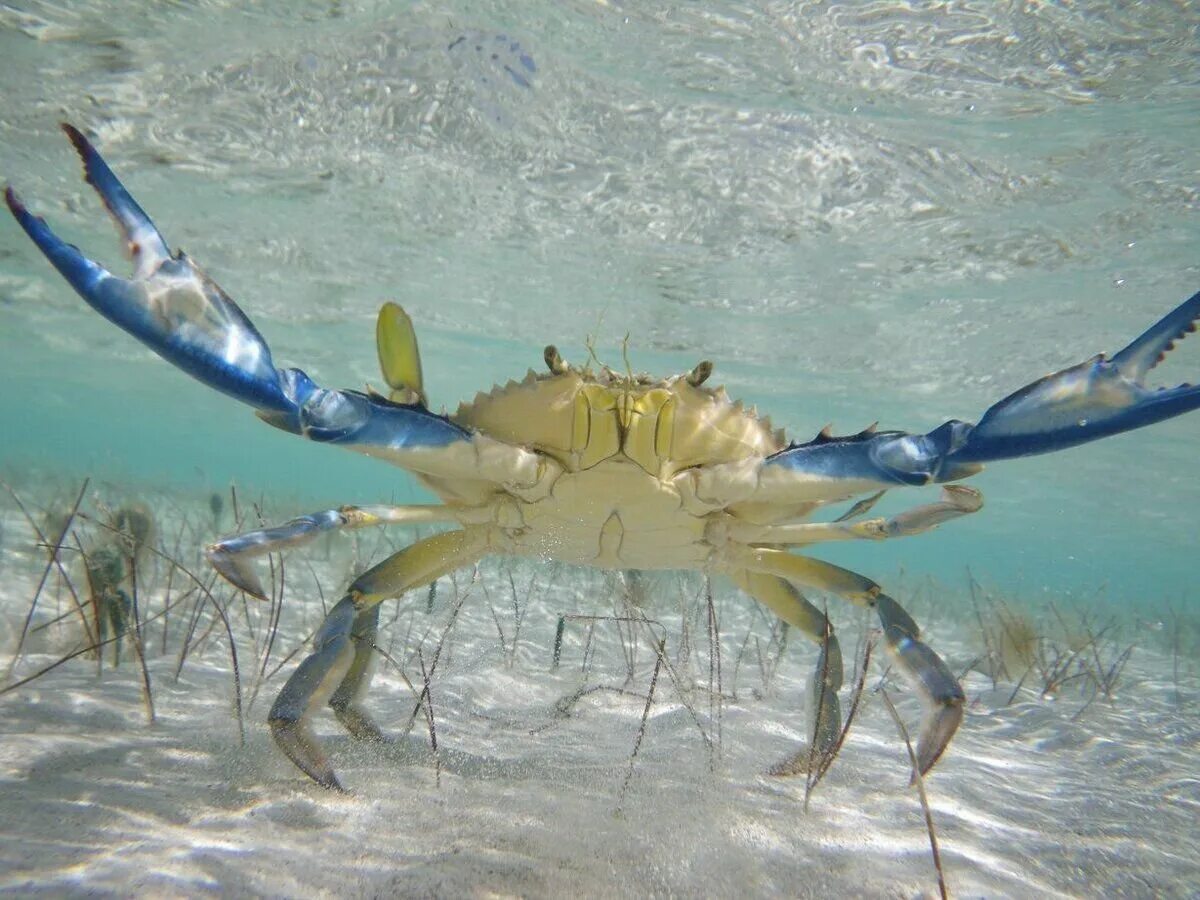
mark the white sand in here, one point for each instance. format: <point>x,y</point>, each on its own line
<point>1029,801</point>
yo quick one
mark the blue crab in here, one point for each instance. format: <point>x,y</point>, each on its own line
<point>594,468</point>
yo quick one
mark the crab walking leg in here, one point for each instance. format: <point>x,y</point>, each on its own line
<point>346,701</point>
<point>931,677</point>
<point>231,556</point>
<point>957,500</point>
<point>783,599</point>
<point>337,671</point>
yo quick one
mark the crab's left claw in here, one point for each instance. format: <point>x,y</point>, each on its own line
<point>173,307</point>
<point>169,303</point>
<point>1092,400</point>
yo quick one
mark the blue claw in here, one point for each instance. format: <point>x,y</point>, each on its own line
<point>185,317</point>
<point>1092,400</point>
<point>143,241</point>
<point>365,422</point>
<point>172,307</point>
<point>873,459</point>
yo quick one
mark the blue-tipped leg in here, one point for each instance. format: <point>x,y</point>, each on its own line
<point>174,308</point>
<point>233,556</point>
<point>934,681</point>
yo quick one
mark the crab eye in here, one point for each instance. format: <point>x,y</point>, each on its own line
<point>554,361</point>
<point>700,374</point>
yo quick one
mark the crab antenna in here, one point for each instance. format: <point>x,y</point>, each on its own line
<point>590,343</point>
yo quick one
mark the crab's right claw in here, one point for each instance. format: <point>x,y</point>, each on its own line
<point>1092,400</point>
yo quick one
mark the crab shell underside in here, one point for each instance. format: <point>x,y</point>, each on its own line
<point>632,472</point>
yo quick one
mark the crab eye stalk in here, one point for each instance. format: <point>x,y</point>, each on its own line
<point>554,361</point>
<point>700,374</point>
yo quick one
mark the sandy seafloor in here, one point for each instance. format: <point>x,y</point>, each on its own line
<point>891,211</point>
<point>535,792</point>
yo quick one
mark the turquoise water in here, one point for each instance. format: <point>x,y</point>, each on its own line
<point>880,212</point>
<point>888,211</point>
